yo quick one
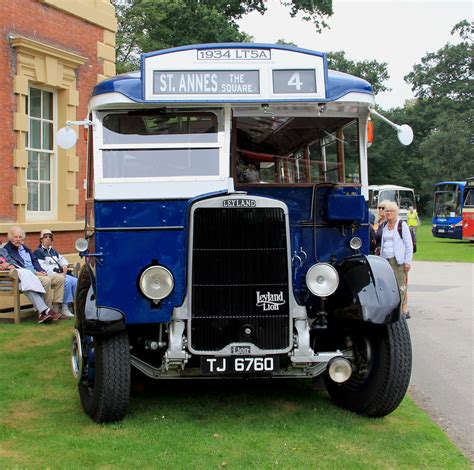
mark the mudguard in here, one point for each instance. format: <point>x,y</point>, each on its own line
<point>91,319</point>
<point>367,291</point>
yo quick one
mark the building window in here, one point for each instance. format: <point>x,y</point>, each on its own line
<point>41,158</point>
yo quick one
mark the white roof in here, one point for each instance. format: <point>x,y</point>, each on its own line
<point>388,187</point>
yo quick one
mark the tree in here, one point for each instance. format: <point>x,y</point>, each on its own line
<point>441,117</point>
<point>284,42</point>
<point>446,73</point>
<point>371,70</point>
<point>148,25</point>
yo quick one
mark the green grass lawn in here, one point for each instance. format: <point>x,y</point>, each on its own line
<point>195,425</point>
<point>430,248</point>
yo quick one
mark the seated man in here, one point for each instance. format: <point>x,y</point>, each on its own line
<point>52,262</point>
<point>252,174</point>
<point>34,291</point>
<point>22,257</point>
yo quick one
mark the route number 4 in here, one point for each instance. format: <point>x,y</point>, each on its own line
<point>295,81</point>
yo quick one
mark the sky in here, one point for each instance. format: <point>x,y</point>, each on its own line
<point>399,32</point>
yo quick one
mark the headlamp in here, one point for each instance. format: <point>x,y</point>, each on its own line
<point>156,282</point>
<point>322,279</point>
<point>355,243</point>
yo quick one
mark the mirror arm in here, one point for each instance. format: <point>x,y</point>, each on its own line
<point>395,126</point>
<point>404,132</point>
<point>86,123</point>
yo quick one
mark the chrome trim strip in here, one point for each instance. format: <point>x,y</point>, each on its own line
<point>137,229</point>
<point>184,311</point>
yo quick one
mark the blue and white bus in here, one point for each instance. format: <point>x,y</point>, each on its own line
<point>447,209</point>
<point>227,232</point>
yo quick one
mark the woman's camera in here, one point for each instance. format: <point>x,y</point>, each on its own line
<point>58,270</point>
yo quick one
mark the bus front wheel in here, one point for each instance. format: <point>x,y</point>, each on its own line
<point>382,360</point>
<point>105,385</point>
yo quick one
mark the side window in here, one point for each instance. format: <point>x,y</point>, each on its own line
<point>330,158</point>
<point>469,198</point>
<point>40,147</point>
<point>351,153</point>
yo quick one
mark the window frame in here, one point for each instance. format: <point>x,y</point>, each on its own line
<point>52,212</point>
<point>220,144</point>
<point>283,163</point>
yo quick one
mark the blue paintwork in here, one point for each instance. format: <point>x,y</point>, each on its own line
<point>320,239</point>
<point>164,243</point>
<point>313,237</point>
<point>166,247</point>
<point>447,224</point>
<point>346,208</point>
<point>338,84</point>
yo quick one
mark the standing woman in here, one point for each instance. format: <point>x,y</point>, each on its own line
<point>397,250</point>
<point>380,217</point>
<point>379,225</point>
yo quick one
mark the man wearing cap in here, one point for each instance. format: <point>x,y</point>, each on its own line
<point>22,257</point>
<point>52,262</point>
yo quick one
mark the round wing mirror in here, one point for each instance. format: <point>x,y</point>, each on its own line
<point>66,137</point>
<point>405,134</point>
<point>81,245</point>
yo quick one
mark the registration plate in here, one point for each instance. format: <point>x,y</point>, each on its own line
<point>239,365</point>
<point>441,230</point>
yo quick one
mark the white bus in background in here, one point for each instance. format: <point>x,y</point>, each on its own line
<point>404,197</point>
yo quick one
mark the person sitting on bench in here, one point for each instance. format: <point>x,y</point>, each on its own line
<point>31,287</point>
<point>52,262</point>
<point>23,257</point>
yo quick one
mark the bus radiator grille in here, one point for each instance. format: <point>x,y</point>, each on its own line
<point>239,279</point>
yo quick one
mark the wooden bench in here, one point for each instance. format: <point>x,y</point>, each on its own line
<point>9,288</point>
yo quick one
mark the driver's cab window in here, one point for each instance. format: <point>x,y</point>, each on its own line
<point>469,201</point>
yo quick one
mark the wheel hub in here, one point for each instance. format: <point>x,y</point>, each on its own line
<point>77,362</point>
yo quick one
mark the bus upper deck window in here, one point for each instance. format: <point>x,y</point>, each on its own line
<point>160,143</point>
<point>159,127</point>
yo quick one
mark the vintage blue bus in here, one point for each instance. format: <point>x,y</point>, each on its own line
<point>227,230</point>
<point>447,209</point>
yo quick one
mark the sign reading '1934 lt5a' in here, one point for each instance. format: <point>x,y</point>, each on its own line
<point>227,232</point>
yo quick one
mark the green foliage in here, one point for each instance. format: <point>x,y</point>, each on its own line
<point>441,118</point>
<point>195,424</point>
<point>150,25</point>
<point>371,70</point>
<point>446,73</point>
<point>283,42</point>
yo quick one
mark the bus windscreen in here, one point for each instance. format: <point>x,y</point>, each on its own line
<point>447,202</point>
<point>296,150</point>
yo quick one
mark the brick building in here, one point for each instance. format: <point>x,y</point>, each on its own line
<point>52,53</point>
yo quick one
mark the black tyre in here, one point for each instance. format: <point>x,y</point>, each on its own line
<point>382,360</point>
<point>105,385</point>
<point>83,285</point>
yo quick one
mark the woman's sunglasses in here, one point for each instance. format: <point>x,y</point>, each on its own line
<point>383,208</point>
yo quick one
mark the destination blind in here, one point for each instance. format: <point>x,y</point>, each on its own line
<point>209,82</point>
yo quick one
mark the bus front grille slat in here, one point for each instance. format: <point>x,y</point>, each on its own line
<point>239,279</point>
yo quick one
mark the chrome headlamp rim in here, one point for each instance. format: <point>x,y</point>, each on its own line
<point>355,243</point>
<point>339,369</point>
<point>322,279</point>
<point>164,286</point>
